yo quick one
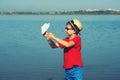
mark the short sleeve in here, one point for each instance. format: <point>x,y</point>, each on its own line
<point>76,40</point>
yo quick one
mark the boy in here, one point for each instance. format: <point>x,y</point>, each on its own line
<point>73,64</point>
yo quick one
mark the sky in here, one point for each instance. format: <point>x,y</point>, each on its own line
<point>57,5</point>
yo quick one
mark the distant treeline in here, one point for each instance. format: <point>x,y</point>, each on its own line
<point>81,12</point>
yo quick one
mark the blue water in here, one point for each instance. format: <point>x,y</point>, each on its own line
<point>26,55</point>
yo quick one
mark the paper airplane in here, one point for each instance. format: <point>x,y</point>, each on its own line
<point>44,28</point>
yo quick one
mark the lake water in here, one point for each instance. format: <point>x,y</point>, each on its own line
<point>26,55</point>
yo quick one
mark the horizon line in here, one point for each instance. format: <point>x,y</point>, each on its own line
<point>87,9</point>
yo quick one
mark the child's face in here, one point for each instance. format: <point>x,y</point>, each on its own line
<point>69,30</point>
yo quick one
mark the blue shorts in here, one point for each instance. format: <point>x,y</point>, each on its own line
<point>75,73</point>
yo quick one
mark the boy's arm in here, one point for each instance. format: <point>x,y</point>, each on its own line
<point>52,44</point>
<point>50,41</point>
<point>64,43</point>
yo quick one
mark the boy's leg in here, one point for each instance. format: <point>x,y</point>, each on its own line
<point>78,73</point>
<point>68,75</point>
<point>75,73</point>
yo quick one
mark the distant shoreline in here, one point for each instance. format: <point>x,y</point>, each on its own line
<point>80,12</point>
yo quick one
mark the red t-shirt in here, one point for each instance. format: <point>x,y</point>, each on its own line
<point>72,55</point>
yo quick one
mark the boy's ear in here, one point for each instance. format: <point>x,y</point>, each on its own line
<point>75,32</point>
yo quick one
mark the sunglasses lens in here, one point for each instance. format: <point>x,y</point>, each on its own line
<point>68,28</point>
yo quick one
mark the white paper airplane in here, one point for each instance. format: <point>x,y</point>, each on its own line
<point>44,28</point>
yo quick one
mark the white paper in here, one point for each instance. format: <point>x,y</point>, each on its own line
<point>45,27</point>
